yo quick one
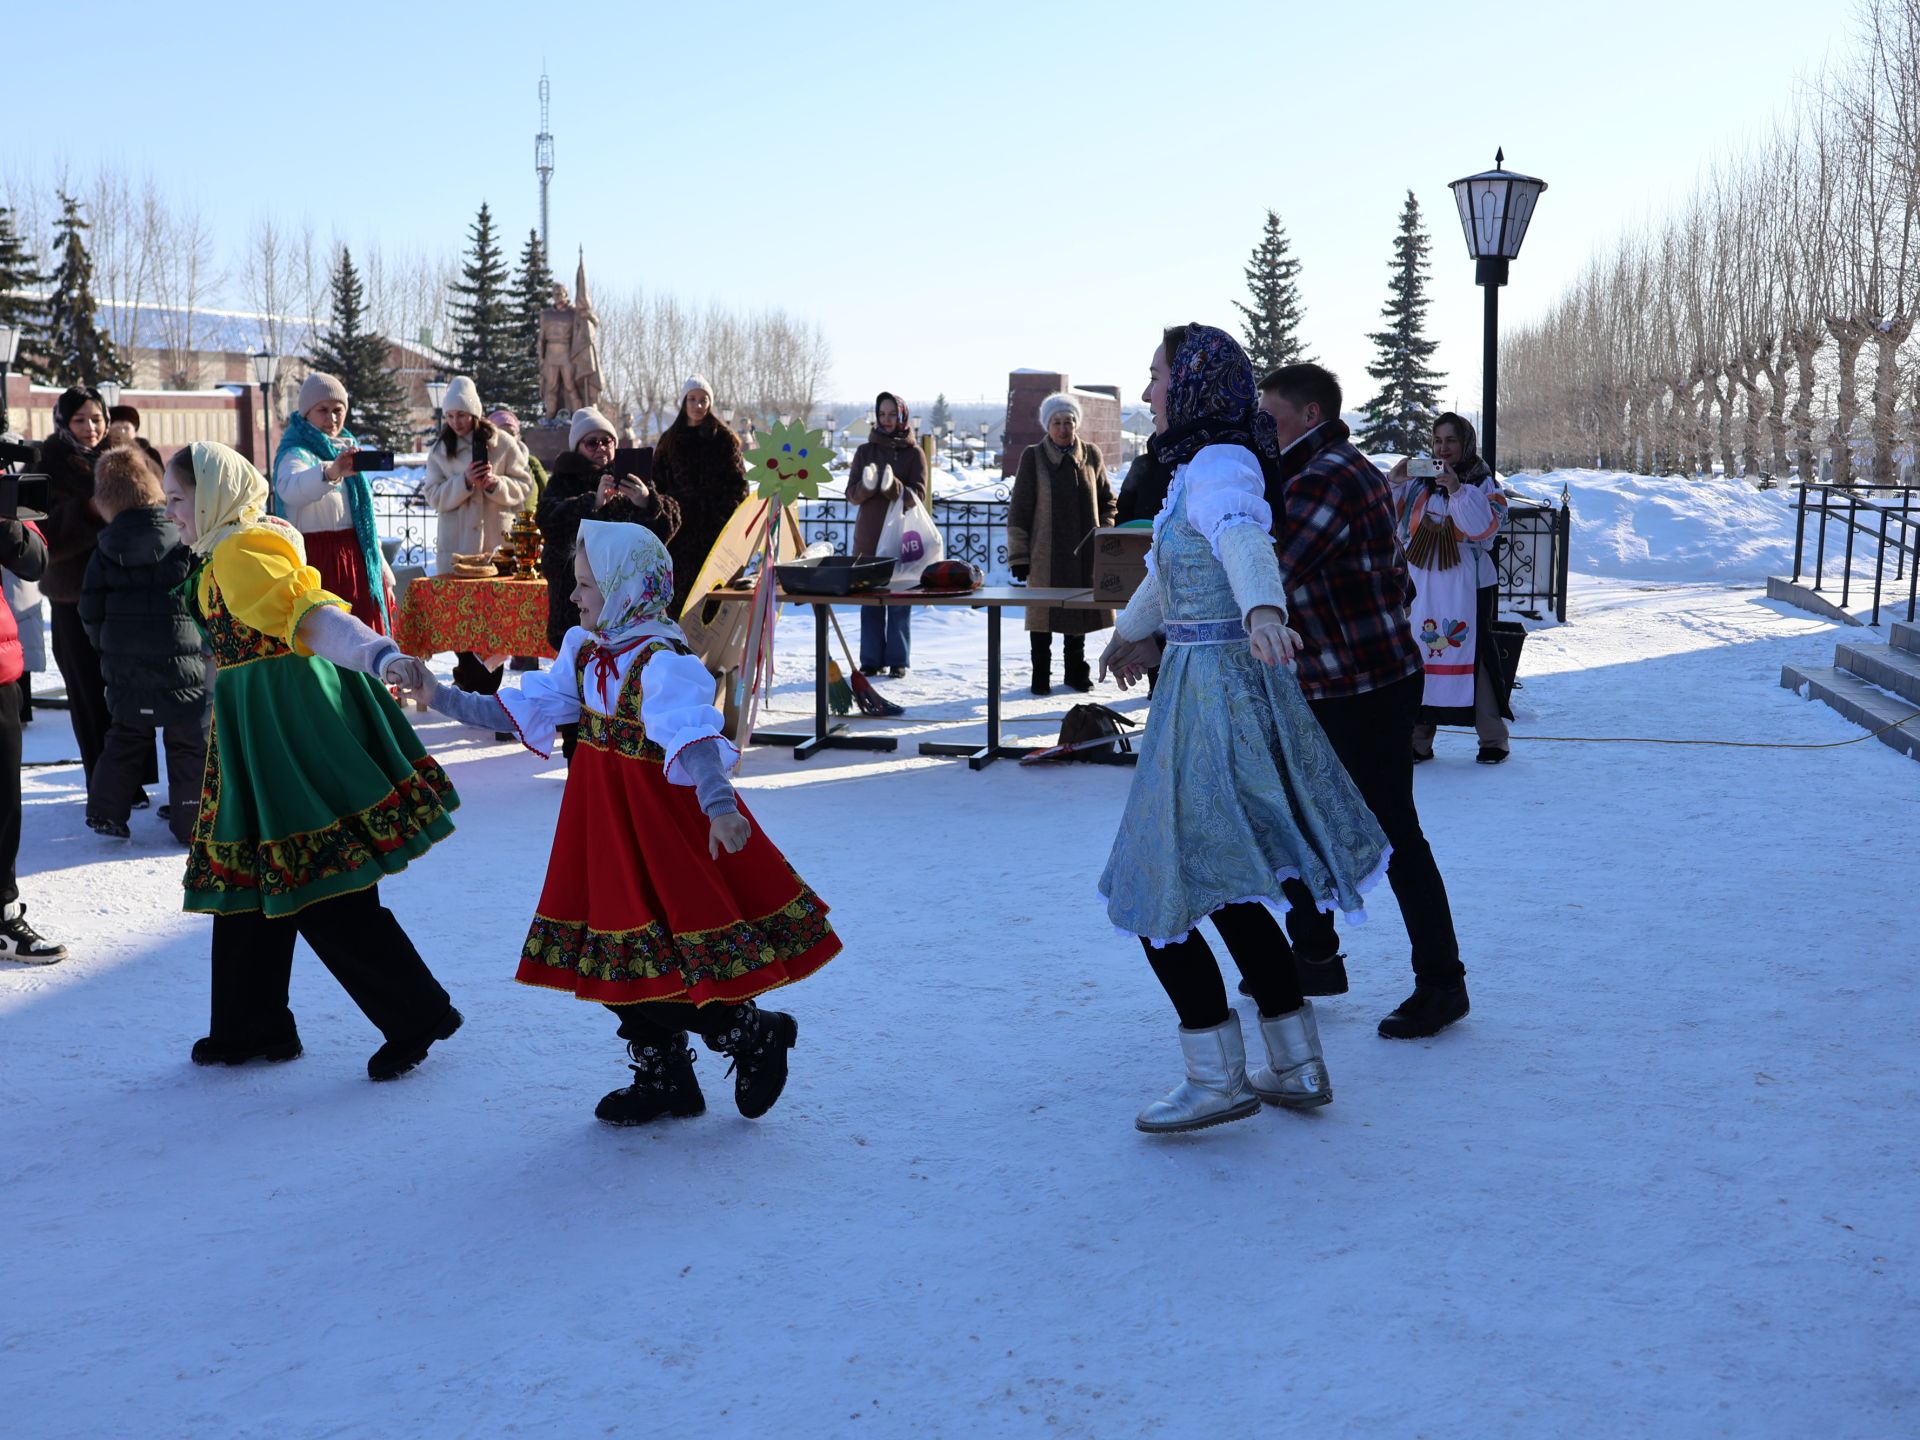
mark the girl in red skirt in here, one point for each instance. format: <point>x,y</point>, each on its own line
<point>662,901</point>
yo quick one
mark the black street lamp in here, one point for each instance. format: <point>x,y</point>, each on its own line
<point>110,392</point>
<point>1496,206</point>
<point>436,392</point>
<point>266,366</point>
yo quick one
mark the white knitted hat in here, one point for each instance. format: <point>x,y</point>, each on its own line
<point>588,421</point>
<point>462,394</point>
<point>1055,403</point>
<point>696,382</point>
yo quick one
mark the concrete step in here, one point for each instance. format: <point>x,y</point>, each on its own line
<point>1906,637</point>
<point>1860,702</point>
<point>1882,665</point>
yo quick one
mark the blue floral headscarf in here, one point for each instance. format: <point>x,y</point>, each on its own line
<point>1211,400</point>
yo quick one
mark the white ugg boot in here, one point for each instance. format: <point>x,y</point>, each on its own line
<point>1215,1090</point>
<point>1295,1074</point>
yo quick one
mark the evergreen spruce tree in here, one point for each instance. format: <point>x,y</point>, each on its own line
<point>18,275</point>
<point>485,317</point>
<point>69,347</point>
<point>1272,324</point>
<point>938,419</point>
<point>361,360</point>
<point>1400,417</point>
<point>533,292</point>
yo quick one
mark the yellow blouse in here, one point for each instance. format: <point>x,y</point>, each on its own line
<point>265,584</point>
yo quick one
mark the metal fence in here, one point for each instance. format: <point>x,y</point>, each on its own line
<point>1532,558</point>
<point>974,530</point>
<point>1861,531</point>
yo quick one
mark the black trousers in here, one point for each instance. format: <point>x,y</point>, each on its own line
<point>10,697</point>
<point>79,665</point>
<point>1192,976</point>
<point>356,938</point>
<point>652,1020</point>
<point>1373,736</point>
<point>115,782</point>
<point>472,675</point>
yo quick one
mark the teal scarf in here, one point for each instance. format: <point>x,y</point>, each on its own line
<point>303,437</point>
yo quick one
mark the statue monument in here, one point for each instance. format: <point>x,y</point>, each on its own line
<point>570,377</point>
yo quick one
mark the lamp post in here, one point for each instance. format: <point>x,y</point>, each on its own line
<point>833,435</point>
<point>9,352</point>
<point>266,367</point>
<point>110,392</point>
<point>436,392</point>
<point>1496,206</point>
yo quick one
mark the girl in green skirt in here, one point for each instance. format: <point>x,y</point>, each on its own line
<point>316,786</point>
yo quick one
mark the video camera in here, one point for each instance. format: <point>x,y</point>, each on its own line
<point>27,488</point>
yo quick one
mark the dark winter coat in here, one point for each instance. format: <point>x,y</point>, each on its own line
<point>698,467</point>
<point>150,649</point>
<point>23,552</point>
<point>881,450</point>
<point>71,527</point>
<point>1144,490</point>
<point>1053,510</point>
<point>571,489</point>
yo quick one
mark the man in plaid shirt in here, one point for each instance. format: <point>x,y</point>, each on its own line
<point>1360,669</point>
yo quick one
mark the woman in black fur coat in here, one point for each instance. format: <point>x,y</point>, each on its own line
<point>697,464</point>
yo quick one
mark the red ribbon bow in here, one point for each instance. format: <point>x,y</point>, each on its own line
<point>604,656</point>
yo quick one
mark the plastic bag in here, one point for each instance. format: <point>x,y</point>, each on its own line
<point>920,545</point>
<point>887,547</point>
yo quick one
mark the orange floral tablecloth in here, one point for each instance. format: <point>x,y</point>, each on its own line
<point>486,617</point>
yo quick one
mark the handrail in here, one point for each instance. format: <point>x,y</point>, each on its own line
<point>1891,527</point>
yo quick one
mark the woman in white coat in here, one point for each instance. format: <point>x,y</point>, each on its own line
<point>478,479</point>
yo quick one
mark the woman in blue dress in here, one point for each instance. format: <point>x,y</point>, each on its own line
<point>1237,788</point>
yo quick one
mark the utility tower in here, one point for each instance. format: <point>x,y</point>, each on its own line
<point>543,160</point>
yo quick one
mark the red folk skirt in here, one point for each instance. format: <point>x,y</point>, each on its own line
<point>343,570</point>
<point>635,909</point>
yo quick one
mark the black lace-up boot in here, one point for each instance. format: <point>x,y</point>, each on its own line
<point>757,1042</point>
<point>663,1084</point>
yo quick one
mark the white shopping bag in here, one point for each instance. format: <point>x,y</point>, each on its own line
<point>920,545</point>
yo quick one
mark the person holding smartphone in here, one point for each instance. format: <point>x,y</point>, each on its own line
<point>1450,511</point>
<point>320,489</point>
<point>477,478</point>
<point>586,485</point>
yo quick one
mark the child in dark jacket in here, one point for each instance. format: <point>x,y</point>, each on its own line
<point>151,655</point>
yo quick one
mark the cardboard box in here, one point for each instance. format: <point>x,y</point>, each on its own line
<point>1119,563</point>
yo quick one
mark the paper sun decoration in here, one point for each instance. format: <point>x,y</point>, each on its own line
<point>789,461</point>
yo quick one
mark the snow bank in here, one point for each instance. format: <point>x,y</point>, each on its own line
<point>1666,528</point>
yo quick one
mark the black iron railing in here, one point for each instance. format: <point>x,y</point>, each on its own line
<point>401,512</point>
<point>1532,558</point>
<point>1862,531</point>
<point>973,530</point>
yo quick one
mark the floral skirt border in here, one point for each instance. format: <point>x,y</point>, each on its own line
<point>733,963</point>
<point>284,875</point>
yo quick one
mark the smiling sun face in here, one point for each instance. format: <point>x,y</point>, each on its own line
<point>788,462</point>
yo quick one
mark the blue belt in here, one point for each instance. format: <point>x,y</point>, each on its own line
<point>1206,632</point>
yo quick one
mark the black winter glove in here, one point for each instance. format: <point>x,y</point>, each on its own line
<point>1019,573</point>
<point>13,538</point>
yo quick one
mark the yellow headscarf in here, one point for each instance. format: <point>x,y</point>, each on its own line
<point>230,496</point>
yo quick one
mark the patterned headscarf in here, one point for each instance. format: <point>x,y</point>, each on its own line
<point>230,496</point>
<point>1211,400</point>
<point>635,574</point>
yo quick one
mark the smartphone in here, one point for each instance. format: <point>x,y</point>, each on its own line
<point>1423,467</point>
<point>365,460</point>
<point>635,460</point>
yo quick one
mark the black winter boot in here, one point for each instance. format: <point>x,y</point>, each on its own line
<point>1428,1011</point>
<point>209,1051</point>
<point>1042,662</point>
<point>663,1084</point>
<point>397,1057</point>
<point>757,1042</point>
<point>1079,675</point>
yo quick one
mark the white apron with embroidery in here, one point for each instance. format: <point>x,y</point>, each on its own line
<point>1446,622</point>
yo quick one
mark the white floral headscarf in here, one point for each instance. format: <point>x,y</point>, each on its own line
<point>635,574</point>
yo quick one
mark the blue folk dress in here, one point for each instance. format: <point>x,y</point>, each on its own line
<point>1237,788</point>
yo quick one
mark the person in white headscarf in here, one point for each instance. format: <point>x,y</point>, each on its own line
<point>662,899</point>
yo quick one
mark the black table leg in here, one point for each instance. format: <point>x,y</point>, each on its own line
<point>826,734</point>
<point>979,758</point>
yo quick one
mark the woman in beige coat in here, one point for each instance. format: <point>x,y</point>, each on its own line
<point>478,479</point>
<point>1060,496</point>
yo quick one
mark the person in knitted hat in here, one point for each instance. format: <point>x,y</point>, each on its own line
<point>477,478</point>
<point>583,485</point>
<point>123,428</point>
<point>329,502</point>
<point>504,418</point>
<point>697,464</point>
<point>1060,495</point>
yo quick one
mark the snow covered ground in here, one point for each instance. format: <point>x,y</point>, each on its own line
<point>1653,1185</point>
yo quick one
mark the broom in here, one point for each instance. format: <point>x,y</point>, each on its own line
<point>858,690</point>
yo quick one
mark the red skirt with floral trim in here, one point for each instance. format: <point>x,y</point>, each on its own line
<point>635,909</point>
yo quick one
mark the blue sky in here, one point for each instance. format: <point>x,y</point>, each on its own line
<point>953,190</point>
